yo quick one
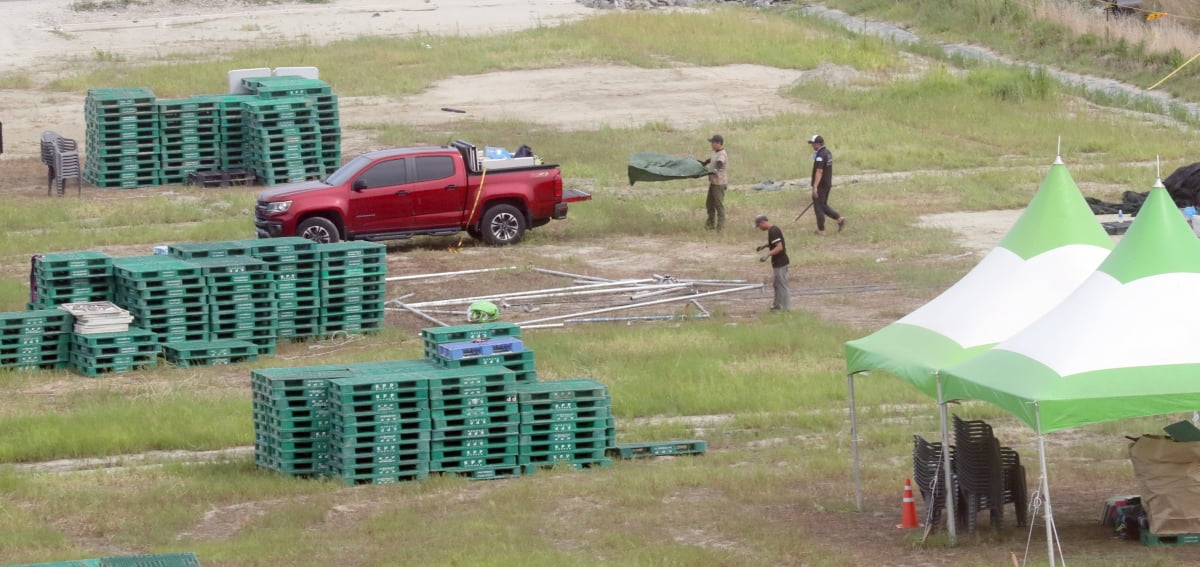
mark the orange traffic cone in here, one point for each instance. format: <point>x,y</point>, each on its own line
<point>908,516</point>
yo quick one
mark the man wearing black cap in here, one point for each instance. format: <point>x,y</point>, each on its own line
<point>717,181</point>
<point>777,253</point>
<point>822,181</point>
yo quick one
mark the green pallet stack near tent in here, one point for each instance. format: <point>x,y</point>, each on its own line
<point>122,138</point>
<point>38,339</point>
<point>97,354</point>
<point>352,282</point>
<point>166,295</point>
<point>71,277</point>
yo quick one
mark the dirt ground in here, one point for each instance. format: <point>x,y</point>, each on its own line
<point>37,35</point>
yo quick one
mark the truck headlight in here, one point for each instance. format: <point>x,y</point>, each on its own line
<point>278,207</point>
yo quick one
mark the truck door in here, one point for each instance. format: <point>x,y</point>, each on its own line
<point>379,197</point>
<point>439,192</point>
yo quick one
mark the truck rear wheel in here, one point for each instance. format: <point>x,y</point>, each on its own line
<point>503,225</point>
<point>318,229</point>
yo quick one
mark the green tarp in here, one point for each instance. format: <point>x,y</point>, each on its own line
<point>650,166</point>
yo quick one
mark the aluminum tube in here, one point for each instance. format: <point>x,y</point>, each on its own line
<point>565,274</point>
<point>505,300</point>
<point>673,288</point>
<point>521,294</point>
<point>546,326</point>
<point>1049,515</point>
<point>713,282</point>
<point>636,318</point>
<point>423,315</point>
<point>700,307</point>
<point>951,527</point>
<point>458,273</point>
<point>854,445</point>
<point>645,304</point>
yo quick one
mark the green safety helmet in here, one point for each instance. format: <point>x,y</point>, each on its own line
<point>483,312</point>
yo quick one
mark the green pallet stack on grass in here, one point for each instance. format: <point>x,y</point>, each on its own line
<point>241,299</point>
<point>159,560</point>
<point>209,353</point>
<point>353,286</point>
<point>476,422</point>
<point>296,266</point>
<point>565,422</point>
<point>380,425</point>
<point>282,141</point>
<point>190,137</point>
<point>35,340</point>
<point>166,295</point>
<point>325,104</point>
<point>232,128</point>
<point>122,138</point>
<point>519,361</point>
<point>114,353</point>
<point>198,250</point>
<point>291,417</point>
<point>71,277</point>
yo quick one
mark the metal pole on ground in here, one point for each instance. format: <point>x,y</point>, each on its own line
<point>645,304</point>
<point>458,273</point>
<point>533,293</point>
<point>568,275</point>
<point>854,445</point>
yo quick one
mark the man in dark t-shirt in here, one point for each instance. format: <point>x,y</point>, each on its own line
<point>777,253</point>
<point>822,182</point>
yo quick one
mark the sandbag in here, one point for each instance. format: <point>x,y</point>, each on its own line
<point>650,166</point>
<point>1169,474</point>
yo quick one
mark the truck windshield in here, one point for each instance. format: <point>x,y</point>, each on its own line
<point>344,173</point>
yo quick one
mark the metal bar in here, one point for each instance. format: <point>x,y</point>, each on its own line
<point>646,304</point>
<point>1049,515</point>
<point>565,274</point>
<point>673,288</point>
<point>546,326</point>
<point>712,282</point>
<point>700,307</point>
<point>854,445</point>
<point>526,294</point>
<point>951,527</point>
<point>636,318</point>
<point>423,315</point>
<point>458,273</point>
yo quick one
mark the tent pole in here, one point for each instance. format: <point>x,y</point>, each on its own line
<point>854,445</point>
<point>1049,515</point>
<point>952,520</point>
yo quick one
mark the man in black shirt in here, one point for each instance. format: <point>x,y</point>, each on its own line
<point>822,181</point>
<point>777,253</point>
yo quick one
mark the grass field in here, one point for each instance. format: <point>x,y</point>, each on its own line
<point>766,392</point>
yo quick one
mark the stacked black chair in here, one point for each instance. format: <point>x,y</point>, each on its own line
<point>988,475</point>
<point>930,476</point>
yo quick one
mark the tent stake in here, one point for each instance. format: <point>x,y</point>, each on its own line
<point>952,521</point>
<point>854,445</point>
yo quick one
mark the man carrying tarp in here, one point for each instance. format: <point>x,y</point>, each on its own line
<point>718,180</point>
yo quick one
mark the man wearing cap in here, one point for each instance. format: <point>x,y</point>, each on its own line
<point>777,253</point>
<point>822,181</point>
<point>717,181</point>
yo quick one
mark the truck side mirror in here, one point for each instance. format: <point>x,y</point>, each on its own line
<point>358,185</point>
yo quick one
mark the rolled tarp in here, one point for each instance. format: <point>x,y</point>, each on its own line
<point>651,166</point>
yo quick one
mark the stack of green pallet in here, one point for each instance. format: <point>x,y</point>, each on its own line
<point>475,422</point>
<point>291,417</point>
<point>204,250</point>
<point>165,295</point>
<point>353,286</point>
<point>445,348</point>
<point>232,128</point>
<point>296,266</point>
<point>113,353</point>
<point>38,339</point>
<point>565,422</point>
<point>190,137</point>
<point>325,104</point>
<point>282,144</point>
<point>187,354</point>
<point>122,138</point>
<point>71,277</point>
<point>241,300</point>
<point>380,425</point>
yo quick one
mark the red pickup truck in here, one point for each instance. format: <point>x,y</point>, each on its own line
<point>406,192</point>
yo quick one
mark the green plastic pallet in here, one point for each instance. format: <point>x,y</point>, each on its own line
<point>654,449</point>
<point>1169,539</point>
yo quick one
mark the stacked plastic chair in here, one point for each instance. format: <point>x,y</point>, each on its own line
<point>61,157</point>
<point>931,478</point>
<point>983,480</point>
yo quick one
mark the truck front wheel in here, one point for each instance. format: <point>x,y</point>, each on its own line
<point>503,225</point>
<point>318,229</point>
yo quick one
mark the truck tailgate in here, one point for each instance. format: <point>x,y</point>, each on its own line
<point>575,196</point>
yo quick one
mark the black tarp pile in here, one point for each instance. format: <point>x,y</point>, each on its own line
<point>1183,185</point>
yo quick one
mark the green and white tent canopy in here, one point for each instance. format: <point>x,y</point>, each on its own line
<point>1054,246</point>
<point>1122,345</point>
